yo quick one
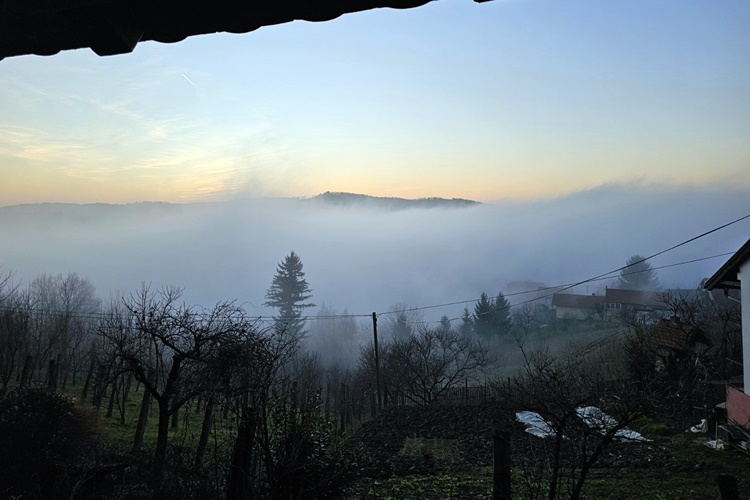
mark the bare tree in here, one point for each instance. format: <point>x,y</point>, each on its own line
<point>433,360</point>
<point>62,321</point>
<point>571,393</point>
<point>401,321</point>
<point>523,319</point>
<point>14,328</point>
<point>176,352</point>
<point>333,335</point>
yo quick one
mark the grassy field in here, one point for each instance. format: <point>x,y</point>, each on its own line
<point>686,469</point>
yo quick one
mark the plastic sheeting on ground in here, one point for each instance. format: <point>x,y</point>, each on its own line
<point>595,418</point>
<point>535,424</point>
<point>592,416</point>
<point>702,427</point>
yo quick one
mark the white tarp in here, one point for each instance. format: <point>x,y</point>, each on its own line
<point>595,418</point>
<point>592,416</point>
<point>535,424</point>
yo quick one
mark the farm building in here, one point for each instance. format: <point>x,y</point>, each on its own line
<point>580,307</point>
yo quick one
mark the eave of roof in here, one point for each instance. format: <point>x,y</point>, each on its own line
<point>726,276</point>
<point>108,27</point>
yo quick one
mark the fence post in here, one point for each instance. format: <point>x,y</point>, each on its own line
<point>501,465</point>
<point>377,358</point>
<point>52,376</point>
<point>26,372</point>
<point>728,487</point>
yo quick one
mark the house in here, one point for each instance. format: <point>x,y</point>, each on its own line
<point>646,305</point>
<point>729,277</point>
<point>580,307</point>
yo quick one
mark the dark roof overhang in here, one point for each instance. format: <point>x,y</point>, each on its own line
<point>727,275</point>
<point>108,27</point>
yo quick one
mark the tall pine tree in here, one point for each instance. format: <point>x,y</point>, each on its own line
<point>484,312</point>
<point>492,316</point>
<point>288,292</point>
<point>638,274</point>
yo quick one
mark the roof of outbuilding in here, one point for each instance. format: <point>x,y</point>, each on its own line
<point>675,335</point>
<point>45,27</point>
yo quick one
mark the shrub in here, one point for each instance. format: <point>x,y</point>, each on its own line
<point>38,438</point>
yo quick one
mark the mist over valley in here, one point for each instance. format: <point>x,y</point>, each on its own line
<point>364,254</point>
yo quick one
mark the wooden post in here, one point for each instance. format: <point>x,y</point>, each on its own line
<point>342,407</point>
<point>52,376</point>
<point>26,372</point>
<point>728,487</point>
<point>328,399</point>
<point>377,359</point>
<point>501,467</point>
<point>373,406</point>
<point>348,400</point>
<point>239,485</point>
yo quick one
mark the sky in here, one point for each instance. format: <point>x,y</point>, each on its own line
<point>504,100</point>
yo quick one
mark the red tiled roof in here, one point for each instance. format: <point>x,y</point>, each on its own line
<point>673,334</point>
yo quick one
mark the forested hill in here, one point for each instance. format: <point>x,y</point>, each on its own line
<point>351,199</point>
<point>64,215</point>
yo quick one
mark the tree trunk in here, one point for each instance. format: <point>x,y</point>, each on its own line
<point>165,412</point>
<point>205,431</point>
<point>87,383</point>
<point>99,387</point>
<point>162,434</point>
<point>143,415</point>
<point>112,398</point>
<point>556,463</point>
<point>124,390</point>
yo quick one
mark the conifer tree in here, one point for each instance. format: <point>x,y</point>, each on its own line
<point>492,316</point>
<point>466,327</point>
<point>288,292</point>
<point>638,275</point>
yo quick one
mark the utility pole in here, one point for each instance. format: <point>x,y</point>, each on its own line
<point>377,360</point>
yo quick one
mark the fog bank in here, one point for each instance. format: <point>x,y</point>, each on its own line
<point>366,257</point>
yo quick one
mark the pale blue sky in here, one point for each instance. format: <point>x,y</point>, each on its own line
<point>506,99</point>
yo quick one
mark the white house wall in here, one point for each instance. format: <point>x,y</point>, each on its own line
<point>744,277</point>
